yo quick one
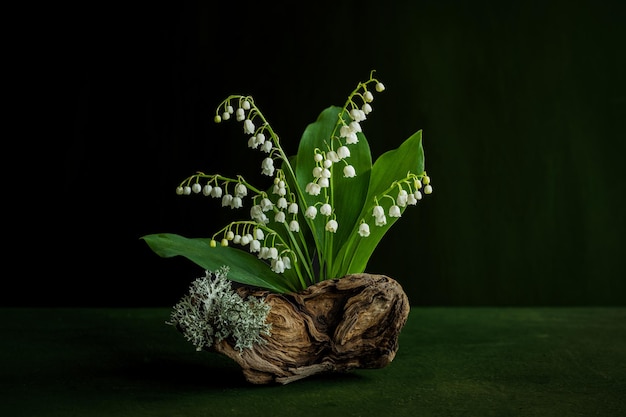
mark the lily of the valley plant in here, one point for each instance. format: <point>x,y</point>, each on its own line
<point>326,210</point>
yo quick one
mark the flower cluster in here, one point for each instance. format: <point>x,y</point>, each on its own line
<point>404,198</point>
<point>298,224</point>
<point>212,312</point>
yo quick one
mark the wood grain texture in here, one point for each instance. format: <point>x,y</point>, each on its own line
<point>333,326</point>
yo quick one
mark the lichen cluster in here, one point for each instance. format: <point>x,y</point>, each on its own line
<point>212,311</point>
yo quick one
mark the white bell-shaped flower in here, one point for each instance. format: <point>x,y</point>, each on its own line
<point>332,226</point>
<point>343,152</point>
<point>313,188</point>
<point>311,212</point>
<point>252,142</point>
<point>294,226</point>
<point>216,192</point>
<point>236,202</point>
<point>256,212</point>
<point>267,146</point>
<point>357,115</point>
<point>279,217</point>
<point>364,230</point>
<point>401,199</point>
<point>264,252</point>
<point>286,262</point>
<point>241,190</point>
<point>266,204</point>
<point>332,157</point>
<point>248,127</point>
<point>255,246</point>
<point>355,127</point>
<point>378,211</point>
<point>267,167</point>
<point>352,138</point>
<point>293,208</point>
<point>326,209</point>
<point>349,172</point>
<point>394,211</point>
<point>278,266</point>
<point>226,200</point>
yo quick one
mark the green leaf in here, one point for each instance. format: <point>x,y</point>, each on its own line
<point>348,194</point>
<point>395,164</point>
<point>392,166</point>
<point>244,267</point>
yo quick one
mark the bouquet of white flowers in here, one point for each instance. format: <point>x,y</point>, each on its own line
<point>326,210</point>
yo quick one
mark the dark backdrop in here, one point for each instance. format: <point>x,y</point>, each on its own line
<point>522,104</point>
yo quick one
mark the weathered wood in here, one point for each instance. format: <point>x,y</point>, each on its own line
<point>334,326</point>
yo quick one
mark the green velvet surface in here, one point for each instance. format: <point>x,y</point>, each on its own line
<point>451,362</point>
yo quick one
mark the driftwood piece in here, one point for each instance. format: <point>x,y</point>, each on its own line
<point>333,326</point>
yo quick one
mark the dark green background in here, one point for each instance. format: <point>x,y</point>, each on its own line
<point>522,104</point>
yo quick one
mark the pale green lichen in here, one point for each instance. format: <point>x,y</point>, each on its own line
<point>212,312</point>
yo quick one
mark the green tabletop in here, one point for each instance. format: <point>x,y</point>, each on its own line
<point>451,362</point>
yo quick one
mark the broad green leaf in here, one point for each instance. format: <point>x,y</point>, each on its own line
<point>395,164</point>
<point>348,194</point>
<point>389,167</point>
<point>244,267</point>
